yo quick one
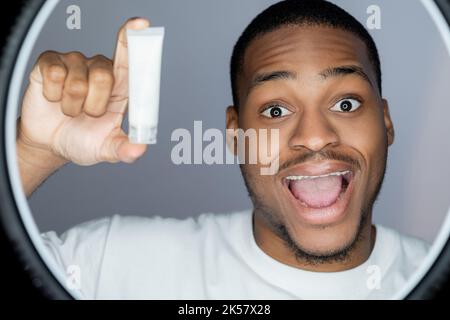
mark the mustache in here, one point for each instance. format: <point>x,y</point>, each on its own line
<point>320,156</point>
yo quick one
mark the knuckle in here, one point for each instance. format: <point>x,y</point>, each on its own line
<point>101,58</point>
<point>101,76</point>
<point>56,73</point>
<point>46,54</point>
<point>75,55</point>
<point>77,88</point>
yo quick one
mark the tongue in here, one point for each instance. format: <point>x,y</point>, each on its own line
<point>317,192</point>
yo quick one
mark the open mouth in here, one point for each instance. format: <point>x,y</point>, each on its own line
<point>322,198</point>
<point>319,191</point>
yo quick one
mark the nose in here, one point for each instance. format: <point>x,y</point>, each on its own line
<point>313,132</point>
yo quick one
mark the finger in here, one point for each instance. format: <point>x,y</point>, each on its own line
<point>120,63</point>
<point>51,71</point>
<point>118,148</point>
<point>101,81</point>
<point>76,84</point>
<point>121,52</point>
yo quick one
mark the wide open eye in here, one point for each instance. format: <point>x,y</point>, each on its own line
<point>275,111</point>
<point>346,105</point>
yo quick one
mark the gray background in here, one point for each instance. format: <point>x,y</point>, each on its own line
<point>200,35</point>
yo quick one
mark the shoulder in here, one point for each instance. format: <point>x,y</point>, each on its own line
<point>95,232</point>
<point>79,240</point>
<point>81,247</point>
<point>407,251</point>
<point>165,229</point>
<point>167,240</point>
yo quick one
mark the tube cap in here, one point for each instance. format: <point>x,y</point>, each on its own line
<point>142,135</point>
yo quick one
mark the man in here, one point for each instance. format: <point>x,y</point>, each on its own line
<point>306,68</point>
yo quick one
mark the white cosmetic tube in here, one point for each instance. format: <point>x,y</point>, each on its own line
<point>144,77</point>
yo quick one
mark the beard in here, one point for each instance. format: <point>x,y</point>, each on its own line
<point>278,227</point>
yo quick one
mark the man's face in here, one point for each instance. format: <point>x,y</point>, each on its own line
<point>334,130</point>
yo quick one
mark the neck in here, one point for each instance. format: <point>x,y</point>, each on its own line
<point>275,247</point>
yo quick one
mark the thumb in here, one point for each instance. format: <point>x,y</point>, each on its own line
<point>119,148</point>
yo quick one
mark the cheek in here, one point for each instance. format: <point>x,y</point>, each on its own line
<point>368,137</point>
<point>260,186</point>
<point>262,145</point>
<point>366,133</point>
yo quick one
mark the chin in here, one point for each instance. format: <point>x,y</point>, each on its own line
<point>323,239</point>
<point>328,241</point>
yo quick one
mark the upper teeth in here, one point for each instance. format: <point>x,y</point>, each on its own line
<point>315,177</point>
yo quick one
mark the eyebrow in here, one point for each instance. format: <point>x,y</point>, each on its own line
<point>345,70</point>
<point>261,78</point>
<point>340,71</point>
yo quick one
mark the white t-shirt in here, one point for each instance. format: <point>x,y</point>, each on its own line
<point>215,256</point>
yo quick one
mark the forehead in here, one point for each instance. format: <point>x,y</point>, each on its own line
<point>305,50</point>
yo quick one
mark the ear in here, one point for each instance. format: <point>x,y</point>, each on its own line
<point>232,126</point>
<point>388,123</point>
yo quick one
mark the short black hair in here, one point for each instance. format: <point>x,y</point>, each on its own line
<point>300,13</point>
